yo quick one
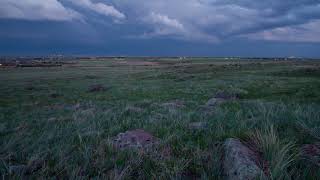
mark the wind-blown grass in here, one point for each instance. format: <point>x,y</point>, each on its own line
<point>278,154</point>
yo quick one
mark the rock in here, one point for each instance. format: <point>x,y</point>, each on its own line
<point>239,162</point>
<point>173,104</point>
<point>52,119</point>
<point>311,152</point>
<point>17,169</point>
<point>143,142</point>
<point>136,139</point>
<point>35,164</point>
<point>198,126</point>
<point>97,88</point>
<point>221,97</point>
<point>214,101</point>
<point>133,109</point>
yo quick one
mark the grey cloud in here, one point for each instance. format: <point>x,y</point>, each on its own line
<point>100,8</point>
<point>300,33</point>
<point>37,10</point>
<point>230,18</point>
<point>202,20</point>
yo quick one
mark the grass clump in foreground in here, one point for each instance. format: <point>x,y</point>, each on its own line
<point>68,135</point>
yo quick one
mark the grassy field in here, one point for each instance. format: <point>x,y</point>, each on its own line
<point>51,125</point>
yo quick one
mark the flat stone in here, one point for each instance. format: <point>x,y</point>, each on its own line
<point>239,162</point>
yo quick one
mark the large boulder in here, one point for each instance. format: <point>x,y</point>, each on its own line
<point>239,162</point>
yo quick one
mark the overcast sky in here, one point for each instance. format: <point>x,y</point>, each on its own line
<point>160,27</point>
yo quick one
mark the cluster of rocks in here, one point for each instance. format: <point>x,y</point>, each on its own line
<point>239,161</point>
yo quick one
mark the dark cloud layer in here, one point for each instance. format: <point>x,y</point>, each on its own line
<point>105,23</point>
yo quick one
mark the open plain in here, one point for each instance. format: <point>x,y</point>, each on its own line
<point>159,118</point>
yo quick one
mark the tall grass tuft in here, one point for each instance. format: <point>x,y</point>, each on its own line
<point>278,153</point>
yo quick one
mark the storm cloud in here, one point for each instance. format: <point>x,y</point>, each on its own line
<point>193,21</point>
<point>205,19</point>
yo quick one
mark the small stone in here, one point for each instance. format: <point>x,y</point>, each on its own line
<point>52,119</point>
<point>214,101</point>
<point>132,109</point>
<point>239,162</point>
<point>174,104</point>
<point>77,106</point>
<point>141,141</point>
<point>198,126</point>
<point>132,138</point>
<point>17,169</point>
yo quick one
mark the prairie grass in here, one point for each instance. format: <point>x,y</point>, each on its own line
<point>67,136</point>
<point>279,155</point>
